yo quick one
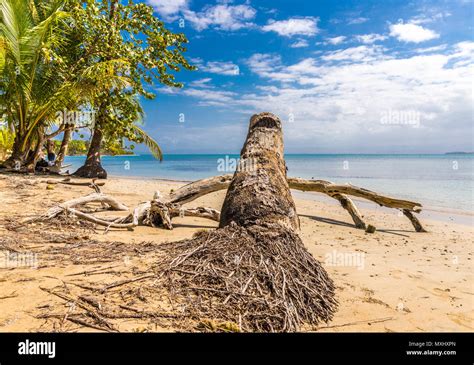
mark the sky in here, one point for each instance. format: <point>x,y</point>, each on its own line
<point>343,76</point>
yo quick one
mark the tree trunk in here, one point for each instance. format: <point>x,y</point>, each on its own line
<point>17,158</point>
<point>254,270</point>
<point>64,146</point>
<point>259,193</point>
<point>30,163</point>
<point>92,167</point>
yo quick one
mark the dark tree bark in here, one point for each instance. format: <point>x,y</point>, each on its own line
<point>92,167</point>
<point>64,145</point>
<point>34,156</point>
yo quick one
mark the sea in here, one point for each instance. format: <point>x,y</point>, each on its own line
<point>434,180</point>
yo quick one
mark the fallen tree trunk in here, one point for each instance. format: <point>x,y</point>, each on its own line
<point>254,270</point>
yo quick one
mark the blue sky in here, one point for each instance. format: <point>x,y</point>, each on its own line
<point>344,76</point>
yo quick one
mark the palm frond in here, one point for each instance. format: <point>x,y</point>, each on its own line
<point>148,141</point>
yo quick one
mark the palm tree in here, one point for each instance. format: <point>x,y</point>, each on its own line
<point>41,73</point>
<point>30,91</point>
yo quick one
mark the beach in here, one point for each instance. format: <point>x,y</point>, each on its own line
<point>394,280</point>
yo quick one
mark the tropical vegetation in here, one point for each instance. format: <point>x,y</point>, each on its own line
<point>99,56</point>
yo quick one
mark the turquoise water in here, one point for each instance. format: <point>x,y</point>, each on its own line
<point>445,181</point>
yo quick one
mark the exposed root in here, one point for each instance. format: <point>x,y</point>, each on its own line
<point>260,278</point>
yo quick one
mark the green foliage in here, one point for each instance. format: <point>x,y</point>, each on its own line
<point>80,147</point>
<point>148,53</point>
<point>70,54</point>
<point>7,138</point>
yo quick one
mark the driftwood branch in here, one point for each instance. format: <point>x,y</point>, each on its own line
<point>68,181</point>
<point>113,204</point>
<point>339,192</point>
<point>327,187</point>
<point>101,222</point>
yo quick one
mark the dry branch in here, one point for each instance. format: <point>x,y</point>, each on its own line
<point>339,192</point>
<point>68,181</point>
<point>113,204</point>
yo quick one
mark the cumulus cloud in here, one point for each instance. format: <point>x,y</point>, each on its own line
<point>169,8</point>
<point>307,26</point>
<point>222,16</point>
<point>409,32</point>
<point>221,68</point>
<point>346,101</point>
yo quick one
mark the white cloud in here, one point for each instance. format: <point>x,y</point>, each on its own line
<point>307,26</point>
<point>430,16</point>
<point>370,38</point>
<point>201,83</point>
<point>358,20</point>
<point>409,32</point>
<point>218,67</point>
<point>222,16</point>
<point>354,54</point>
<point>441,47</point>
<point>336,40</point>
<point>341,104</point>
<point>209,97</point>
<point>168,8</point>
<point>301,43</point>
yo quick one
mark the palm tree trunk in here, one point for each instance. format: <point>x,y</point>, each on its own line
<point>92,167</point>
<point>64,146</point>
<point>30,162</point>
<point>18,156</point>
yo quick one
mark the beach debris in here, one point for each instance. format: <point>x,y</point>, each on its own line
<point>340,192</point>
<point>68,181</point>
<point>370,229</point>
<point>68,206</point>
<point>160,211</point>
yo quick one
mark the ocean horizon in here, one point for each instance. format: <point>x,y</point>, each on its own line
<point>434,180</point>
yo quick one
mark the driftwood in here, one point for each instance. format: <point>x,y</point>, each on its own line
<point>254,270</point>
<point>159,211</point>
<point>339,192</point>
<point>112,204</point>
<point>163,210</point>
<point>68,181</point>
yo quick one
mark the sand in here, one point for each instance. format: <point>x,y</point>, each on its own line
<point>394,280</point>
